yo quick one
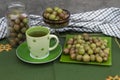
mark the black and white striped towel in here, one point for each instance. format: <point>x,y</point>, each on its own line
<point>105,20</point>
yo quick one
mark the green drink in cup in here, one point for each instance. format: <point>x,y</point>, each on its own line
<point>38,41</point>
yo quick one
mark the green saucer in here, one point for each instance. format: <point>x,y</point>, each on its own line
<point>23,54</point>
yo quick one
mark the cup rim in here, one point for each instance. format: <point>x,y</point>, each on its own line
<point>36,27</point>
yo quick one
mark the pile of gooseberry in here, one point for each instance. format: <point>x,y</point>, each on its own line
<point>17,26</point>
<point>87,48</point>
<point>55,13</point>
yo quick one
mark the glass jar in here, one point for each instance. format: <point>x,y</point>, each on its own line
<point>17,22</point>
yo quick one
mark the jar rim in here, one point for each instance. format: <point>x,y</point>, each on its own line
<point>16,4</point>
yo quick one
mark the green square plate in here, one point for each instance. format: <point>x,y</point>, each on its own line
<point>66,58</point>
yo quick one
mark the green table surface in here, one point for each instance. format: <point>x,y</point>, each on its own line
<point>11,68</point>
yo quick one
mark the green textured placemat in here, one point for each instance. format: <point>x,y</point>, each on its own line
<point>11,68</point>
<point>71,71</point>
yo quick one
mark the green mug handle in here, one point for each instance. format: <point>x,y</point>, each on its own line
<point>57,41</point>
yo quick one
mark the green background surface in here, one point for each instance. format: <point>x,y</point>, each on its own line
<point>11,68</point>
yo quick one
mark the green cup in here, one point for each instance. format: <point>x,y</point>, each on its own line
<point>38,41</point>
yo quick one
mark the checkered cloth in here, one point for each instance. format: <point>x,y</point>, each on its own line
<point>105,20</point>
